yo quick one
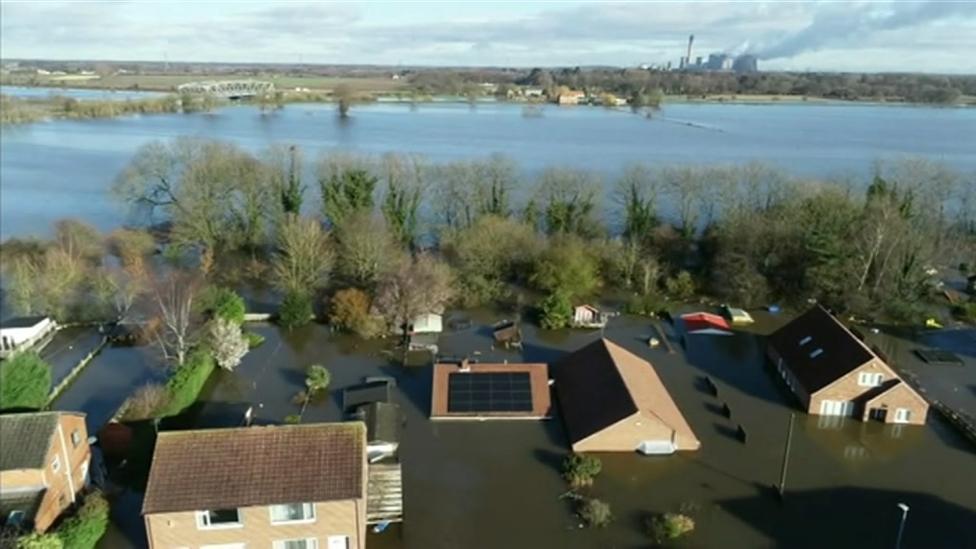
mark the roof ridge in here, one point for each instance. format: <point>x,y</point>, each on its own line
<point>276,426</point>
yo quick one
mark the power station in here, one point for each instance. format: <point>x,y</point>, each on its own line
<point>717,62</point>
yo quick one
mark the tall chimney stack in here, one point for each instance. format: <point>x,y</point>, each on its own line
<point>691,40</point>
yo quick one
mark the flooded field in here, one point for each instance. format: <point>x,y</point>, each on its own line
<point>497,484</point>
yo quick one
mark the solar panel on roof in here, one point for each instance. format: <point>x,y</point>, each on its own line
<point>489,392</point>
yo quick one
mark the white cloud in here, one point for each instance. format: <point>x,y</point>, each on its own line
<point>915,36</point>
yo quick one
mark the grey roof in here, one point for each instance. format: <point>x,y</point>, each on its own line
<point>382,421</point>
<point>364,393</point>
<point>26,439</point>
<point>840,352</point>
<point>21,321</point>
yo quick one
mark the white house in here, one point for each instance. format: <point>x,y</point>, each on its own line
<point>22,332</point>
<point>588,316</point>
<point>430,323</point>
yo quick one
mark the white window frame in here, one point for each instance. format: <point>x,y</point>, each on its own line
<point>310,543</point>
<point>305,506</point>
<point>203,521</point>
<point>56,464</point>
<point>329,540</point>
<point>903,415</point>
<point>870,379</point>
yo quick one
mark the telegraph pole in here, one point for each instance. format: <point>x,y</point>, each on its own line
<point>786,456</point>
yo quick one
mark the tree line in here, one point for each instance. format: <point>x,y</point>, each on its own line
<point>371,242</point>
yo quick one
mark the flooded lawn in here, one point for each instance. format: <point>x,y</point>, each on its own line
<point>497,484</point>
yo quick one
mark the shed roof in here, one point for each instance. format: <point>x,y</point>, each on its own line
<point>603,383</point>
<point>247,466</point>
<point>382,421</point>
<point>364,393</point>
<point>22,321</point>
<point>818,349</point>
<point>27,439</point>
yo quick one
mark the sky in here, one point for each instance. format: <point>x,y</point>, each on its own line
<point>936,37</point>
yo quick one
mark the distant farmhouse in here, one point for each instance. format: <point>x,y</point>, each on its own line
<point>613,401</point>
<point>44,464</point>
<point>833,373</point>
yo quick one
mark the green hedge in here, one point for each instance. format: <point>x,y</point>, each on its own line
<point>187,381</point>
<point>25,381</point>
<point>88,525</point>
<point>225,303</point>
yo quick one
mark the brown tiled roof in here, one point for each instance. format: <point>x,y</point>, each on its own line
<point>228,468</point>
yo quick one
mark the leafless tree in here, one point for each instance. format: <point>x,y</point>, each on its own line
<point>304,258</point>
<point>417,286</point>
<point>173,296</point>
<point>366,249</point>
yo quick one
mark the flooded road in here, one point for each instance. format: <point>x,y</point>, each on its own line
<point>497,484</point>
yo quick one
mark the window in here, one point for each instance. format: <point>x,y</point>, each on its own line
<point>869,379</point>
<point>816,353</point>
<point>15,518</point>
<point>903,415</point>
<point>84,472</point>
<point>307,543</point>
<point>292,512</point>
<point>806,340</point>
<point>56,464</point>
<point>75,438</point>
<point>218,518</point>
<point>338,542</point>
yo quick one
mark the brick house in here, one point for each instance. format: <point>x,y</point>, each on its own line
<point>613,401</point>
<point>833,373</point>
<point>283,487</point>
<point>44,462</point>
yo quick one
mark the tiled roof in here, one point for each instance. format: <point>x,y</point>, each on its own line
<point>26,439</point>
<point>247,466</point>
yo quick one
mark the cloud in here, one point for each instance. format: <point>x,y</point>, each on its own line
<point>813,35</point>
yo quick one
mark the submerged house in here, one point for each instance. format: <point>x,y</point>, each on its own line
<point>613,401</point>
<point>705,324</point>
<point>489,391</point>
<point>44,464</point>
<point>274,486</point>
<point>507,333</point>
<point>833,373</point>
<point>24,332</point>
<point>588,316</point>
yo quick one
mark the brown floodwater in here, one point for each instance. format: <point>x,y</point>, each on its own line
<point>497,484</point>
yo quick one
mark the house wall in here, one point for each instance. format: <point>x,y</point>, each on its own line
<point>899,396</point>
<point>846,387</point>
<point>72,476</point>
<point>625,435</point>
<point>332,518</point>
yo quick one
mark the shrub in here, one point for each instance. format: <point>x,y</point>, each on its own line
<point>647,305</point>
<point>965,312</point>
<point>680,287</point>
<point>224,303</point>
<point>187,381</point>
<point>83,530</point>
<point>580,470</point>
<point>147,402</point>
<point>350,312</point>
<point>668,526</point>
<point>595,512</point>
<point>293,419</point>
<point>254,339</point>
<point>295,311</point>
<point>39,541</point>
<point>555,311</point>
<point>228,343</point>
<point>25,381</point>
<point>568,267</point>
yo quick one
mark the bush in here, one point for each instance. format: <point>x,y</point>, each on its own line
<point>580,470</point>
<point>567,267</point>
<point>254,339</point>
<point>25,381</point>
<point>224,303</point>
<point>228,343</point>
<point>965,312</point>
<point>350,312</point>
<point>187,381</point>
<point>39,541</point>
<point>148,402</point>
<point>293,419</point>
<point>595,512</point>
<point>555,311</point>
<point>668,526</point>
<point>680,287</point>
<point>83,530</point>
<point>647,305</point>
<point>295,311</point>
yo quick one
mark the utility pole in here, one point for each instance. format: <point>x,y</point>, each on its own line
<point>786,456</point>
<point>901,525</point>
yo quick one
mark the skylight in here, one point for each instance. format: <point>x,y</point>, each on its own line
<point>816,353</point>
<point>806,340</point>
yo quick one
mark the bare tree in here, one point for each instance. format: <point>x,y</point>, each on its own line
<point>304,258</point>
<point>417,286</point>
<point>366,250</point>
<point>173,297</point>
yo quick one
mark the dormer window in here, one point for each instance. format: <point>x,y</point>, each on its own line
<point>816,353</point>
<point>806,340</point>
<point>869,379</point>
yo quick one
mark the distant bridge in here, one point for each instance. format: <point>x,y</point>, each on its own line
<point>229,89</point>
